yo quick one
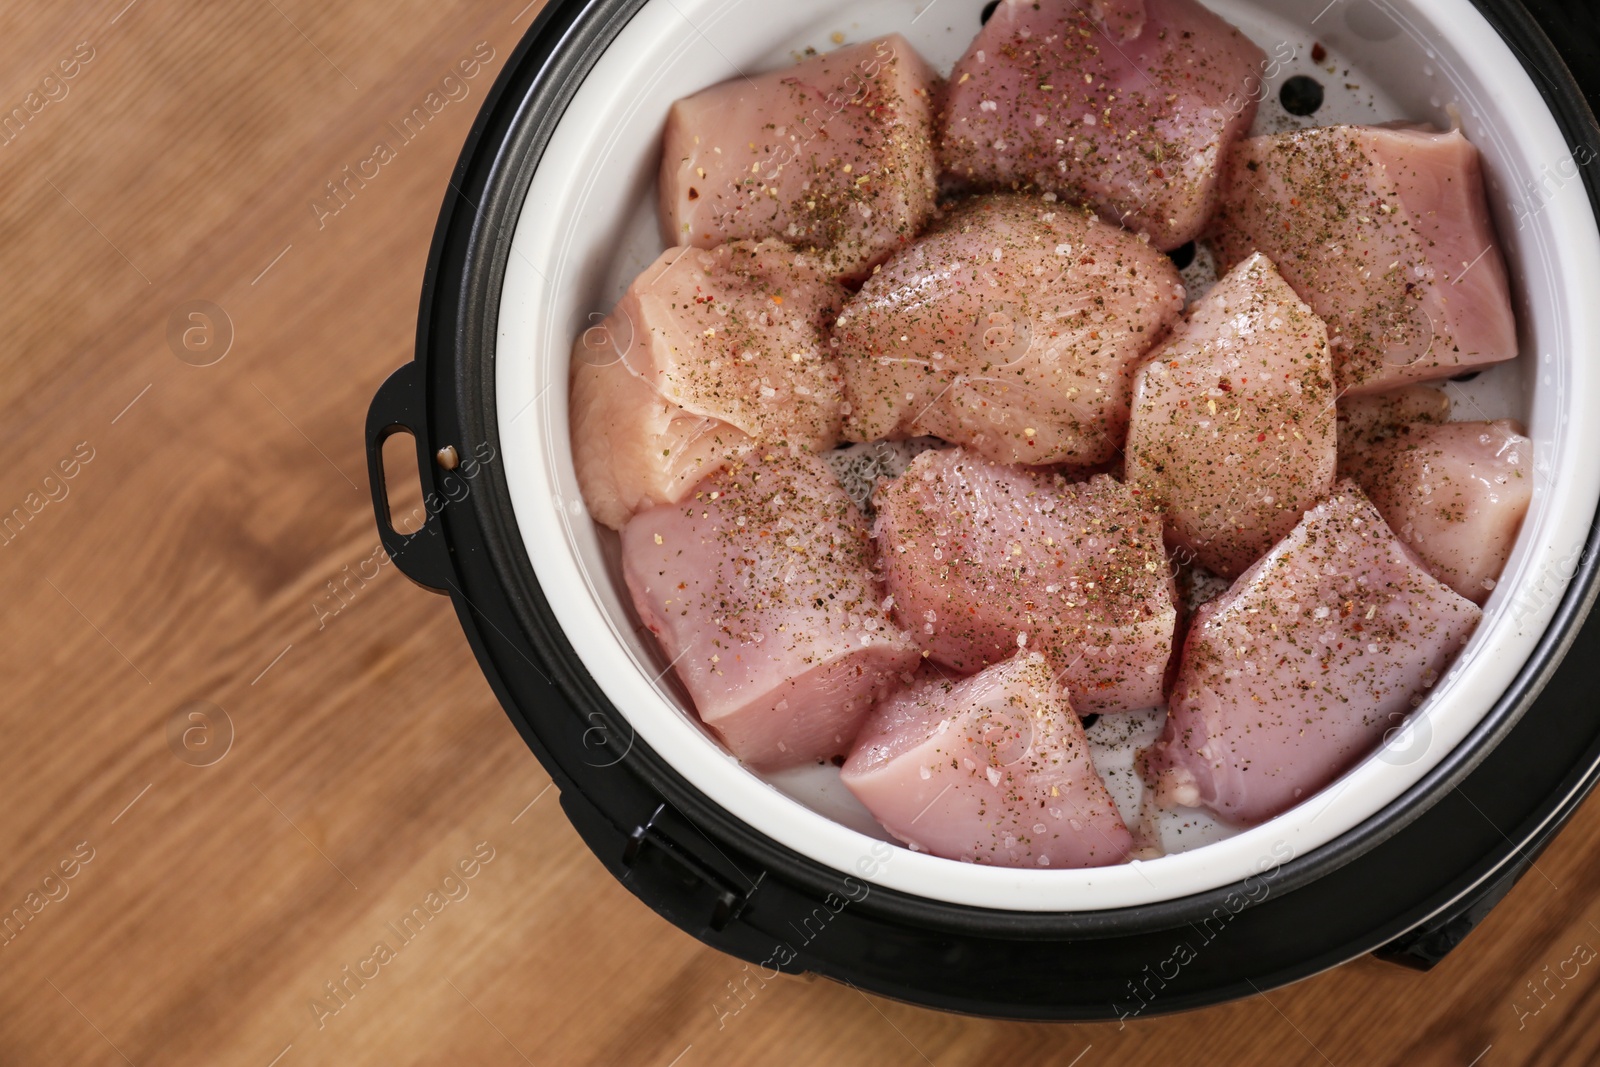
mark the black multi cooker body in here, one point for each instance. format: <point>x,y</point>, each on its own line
<point>1407,886</point>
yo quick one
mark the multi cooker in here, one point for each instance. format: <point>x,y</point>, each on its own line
<point>550,213</point>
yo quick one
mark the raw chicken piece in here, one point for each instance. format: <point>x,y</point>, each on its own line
<point>708,353</point>
<point>1456,493</point>
<point>1011,328</point>
<point>1299,669</point>
<point>1121,19</point>
<point>1233,427</point>
<point>834,154</point>
<point>1368,419</point>
<point>991,769</point>
<point>983,560</point>
<point>1136,121</point>
<point>760,590</point>
<point>1385,232</point>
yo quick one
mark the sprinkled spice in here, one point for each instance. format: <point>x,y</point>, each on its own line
<point>1048,98</point>
<point>709,353</point>
<point>833,155</point>
<point>990,769</point>
<point>1233,422</point>
<point>984,559</point>
<point>761,588</point>
<point>1365,421</point>
<point>1010,328</point>
<point>1455,492</point>
<point>1385,232</point>
<point>1302,667</point>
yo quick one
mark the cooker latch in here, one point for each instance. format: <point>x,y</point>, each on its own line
<point>657,854</point>
<point>1422,948</point>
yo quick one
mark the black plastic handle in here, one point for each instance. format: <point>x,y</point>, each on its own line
<point>400,405</point>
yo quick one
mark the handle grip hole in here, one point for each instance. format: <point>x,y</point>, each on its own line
<point>403,482</point>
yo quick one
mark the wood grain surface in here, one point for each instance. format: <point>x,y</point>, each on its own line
<point>178,572</point>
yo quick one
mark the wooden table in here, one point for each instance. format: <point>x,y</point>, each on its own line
<point>362,756</point>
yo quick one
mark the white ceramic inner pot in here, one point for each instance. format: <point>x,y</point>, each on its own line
<point>588,228</point>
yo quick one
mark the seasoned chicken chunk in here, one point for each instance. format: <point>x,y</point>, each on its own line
<point>760,588</point>
<point>707,354</point>
<point>1385,231</point>
<point>1373,417</point>
<point>834,154</point>
<point>991,769</point>
<point>1121,19</point>
<point>1234,424</point>
<point>1297,671</point>
<point>1455,492</point>
<point>983,560</point>
<point>1011,327</point>
<point>1129,107</point>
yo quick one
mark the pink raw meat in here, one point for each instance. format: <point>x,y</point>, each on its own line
<point>706,355</point>
<point>1385,232</point>
<point>835,154</point>
<point>990,769</point>
<point>1011,327</point>
<point>1455,492</point>
<point>1234,424</point>
<point>1133,115</point>
<point>1299,669</point>
<point>1373,417</point>
<point>983,560</point>
<point>1122,19</point>
<point>759,588</point>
